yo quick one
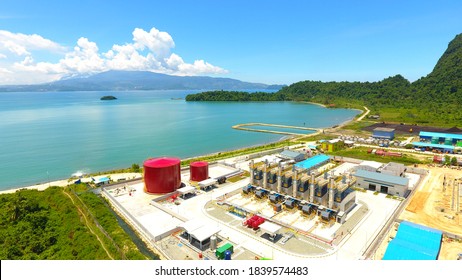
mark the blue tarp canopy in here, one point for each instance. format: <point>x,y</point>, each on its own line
<point>414,242</point>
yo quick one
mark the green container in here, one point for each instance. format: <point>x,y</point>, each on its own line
<point>435,140</point>
<point>459,143</point>
<point>448,141</point>
<point>220,252</point>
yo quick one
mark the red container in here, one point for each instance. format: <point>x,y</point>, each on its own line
<point>162,175</point>
<point>199,171</point>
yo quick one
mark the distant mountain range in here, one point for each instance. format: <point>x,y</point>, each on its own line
<point>140,80</point>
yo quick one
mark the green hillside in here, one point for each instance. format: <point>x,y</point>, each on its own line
<point>433,99</point>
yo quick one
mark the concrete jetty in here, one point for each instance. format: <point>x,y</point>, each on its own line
<point>245,126</point>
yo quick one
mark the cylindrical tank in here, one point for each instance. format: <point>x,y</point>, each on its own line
<point>162,175</point>
<point>199,171</point>
<point>213,243</point>
<point>227,255</point>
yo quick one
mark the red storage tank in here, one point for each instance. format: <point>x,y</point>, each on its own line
<point>199,171</point>
<point>162,175</point>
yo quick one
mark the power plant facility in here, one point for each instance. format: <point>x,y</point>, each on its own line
<point>294,186</point>
<point>284,204</point>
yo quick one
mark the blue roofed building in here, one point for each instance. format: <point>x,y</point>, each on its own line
<point>383,133</point>
<point>414,242</point>
<point>444,142</point>
<point>313,162</point>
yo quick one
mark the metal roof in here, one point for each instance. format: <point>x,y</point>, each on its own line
<point>290,154</point>
<point>270,228</point>
<point>414,242</point>
<point>204,232</point>
<point>373,164</point>
<point>384,129</point>
<point>313,161</point>
<point>441,135</point>
<point>386,178</point>
<point>192,225</point>
<point>186,189</point>
<point>101,180</point>
<point>439,146</point>
<point>207,182</point>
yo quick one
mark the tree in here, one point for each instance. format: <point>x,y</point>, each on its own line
<point>453,161</point>
<point>135,167</point>
<point>447,160</point>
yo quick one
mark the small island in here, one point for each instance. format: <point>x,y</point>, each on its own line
<point>108,97</point>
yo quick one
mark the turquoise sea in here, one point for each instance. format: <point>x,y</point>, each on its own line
<point>48,136</point>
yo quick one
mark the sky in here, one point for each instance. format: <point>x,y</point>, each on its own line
<point>273,42</point>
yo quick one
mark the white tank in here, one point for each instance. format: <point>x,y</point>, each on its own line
<point>213,243</point>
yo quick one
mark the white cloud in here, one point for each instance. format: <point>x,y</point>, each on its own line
<point>2,56</point>
<point>21,44</point>
<point>148,51</point>
<point>159,43</point>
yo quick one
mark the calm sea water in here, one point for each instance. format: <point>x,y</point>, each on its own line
<point>49,136</point>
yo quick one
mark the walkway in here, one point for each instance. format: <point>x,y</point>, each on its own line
<point>365,114</point>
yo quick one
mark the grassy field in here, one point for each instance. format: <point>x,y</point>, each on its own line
<point>240,152</point>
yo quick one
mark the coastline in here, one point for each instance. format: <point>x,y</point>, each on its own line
<point>115,176</point>
<point>66,182</point>
<point>314,103</point>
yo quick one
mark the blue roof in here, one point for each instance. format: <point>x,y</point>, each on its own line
<point>313,161</point>
<point>101,180</point>
<point>439,146</point>
<point>391,179</point>
<point>440,135</point>
<point>414,242</point>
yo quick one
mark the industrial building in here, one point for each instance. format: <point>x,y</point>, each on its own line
<point>440,138</point>
<point>313,162</point>
<point>162,175</point>
<point>383,133</point>
<point>292,155</point>
<point>332,145</point>
<point>299,186</point>
<point>443,142</point>
<point>393,168</point>
<point>371,166</point>
<point>414,242</point>
<point>382,182</point>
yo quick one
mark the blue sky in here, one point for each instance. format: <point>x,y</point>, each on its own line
<point>259,41</point>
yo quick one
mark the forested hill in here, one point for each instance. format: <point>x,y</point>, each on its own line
<point>432,99</point>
